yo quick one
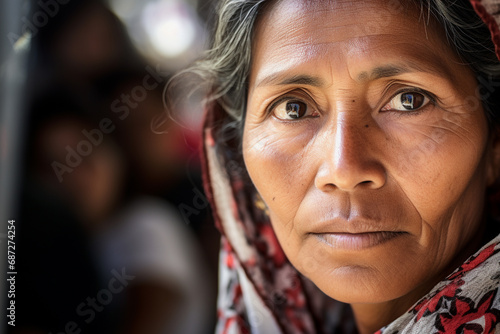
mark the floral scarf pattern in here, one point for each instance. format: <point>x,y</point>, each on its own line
<point>261,292</point>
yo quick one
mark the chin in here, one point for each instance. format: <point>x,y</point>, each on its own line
<point>358,285</point>
<point>372,276</point>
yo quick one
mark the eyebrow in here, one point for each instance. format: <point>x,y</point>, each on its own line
<point>379,72</point>
<point>387,71</point>
<point>281,80</point>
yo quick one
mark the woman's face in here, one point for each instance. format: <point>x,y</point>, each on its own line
<point>365,137</point>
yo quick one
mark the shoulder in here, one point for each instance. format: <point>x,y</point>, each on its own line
<point>150,220</point>
<point>150,238</point>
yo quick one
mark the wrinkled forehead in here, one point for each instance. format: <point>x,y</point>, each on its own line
<point>290,31</point>
<point>344,12</point>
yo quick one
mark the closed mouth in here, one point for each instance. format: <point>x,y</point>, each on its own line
<point>357,241</point>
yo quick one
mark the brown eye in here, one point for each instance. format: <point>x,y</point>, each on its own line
<point>412,101</point>
<point>407,101</point>
<point>290,110</point>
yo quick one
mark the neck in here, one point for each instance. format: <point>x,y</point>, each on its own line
<point>372,317</point>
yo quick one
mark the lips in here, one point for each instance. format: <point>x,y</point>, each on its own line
<point>357,232</point>
<point>357,241</point>
<point>354,223</point>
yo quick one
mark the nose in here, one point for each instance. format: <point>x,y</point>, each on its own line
<point>348,160</point>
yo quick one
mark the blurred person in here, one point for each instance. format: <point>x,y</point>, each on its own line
<point>74,156</point>
<point>57,271</point>
<point>156,146</point>
<point>83,40</point>
<point>163,151</point>
<point>107,188</point>
<point>77,157</point>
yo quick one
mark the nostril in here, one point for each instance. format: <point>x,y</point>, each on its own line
<point>366,184</point>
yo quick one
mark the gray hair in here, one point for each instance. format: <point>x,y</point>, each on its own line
<point>471,39</point>
<point>224,70</point>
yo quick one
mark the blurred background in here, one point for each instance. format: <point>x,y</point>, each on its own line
<point>113,233</point>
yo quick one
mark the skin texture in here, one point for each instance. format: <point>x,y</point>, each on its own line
<point>373,202</point>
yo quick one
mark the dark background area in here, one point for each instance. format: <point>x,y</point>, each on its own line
<point>112,231</point>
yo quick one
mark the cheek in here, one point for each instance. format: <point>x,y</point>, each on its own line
<point>438,164</point>
<point>280,166</point>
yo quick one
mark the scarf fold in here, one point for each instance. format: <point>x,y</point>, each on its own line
<point>261,292</point>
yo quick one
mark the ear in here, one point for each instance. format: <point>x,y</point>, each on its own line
<point>493,159</point>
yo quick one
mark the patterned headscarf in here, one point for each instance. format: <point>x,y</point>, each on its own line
<point>261,292</point>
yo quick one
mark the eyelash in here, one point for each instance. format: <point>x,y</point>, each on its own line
<point>432,100</point>
<point>289,98</point>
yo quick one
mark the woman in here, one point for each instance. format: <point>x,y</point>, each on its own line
<point>349,150</point>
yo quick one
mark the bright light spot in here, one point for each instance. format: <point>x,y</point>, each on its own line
<point>125,9</point>
<point>170,27</point>
<point>173,36</point>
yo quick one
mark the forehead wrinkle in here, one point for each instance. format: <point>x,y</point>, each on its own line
<point>415,59</point>
<point>304,18</point>
<point>294,46</point>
